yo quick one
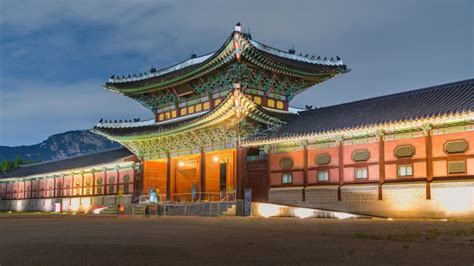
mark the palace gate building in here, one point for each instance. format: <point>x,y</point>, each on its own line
<point>222,122</point>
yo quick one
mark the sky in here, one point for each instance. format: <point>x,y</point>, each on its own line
<point>55,56</point>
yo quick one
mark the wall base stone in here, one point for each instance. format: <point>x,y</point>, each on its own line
<point>400,200</point>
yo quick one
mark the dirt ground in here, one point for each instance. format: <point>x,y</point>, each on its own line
<point>75,240</point>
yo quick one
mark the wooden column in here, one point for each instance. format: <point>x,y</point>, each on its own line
<point>269,172</point>
<point>105,181</point>
<point>241,154</point>
<point>63,188</point>
<point>305,171</point>
<point>381,165</point>
<point>118,181</point>
<point>202,176</point>
<point>341,169</point>
<point>82,184</point>
<point>429,161</point>
<point>168,176</point>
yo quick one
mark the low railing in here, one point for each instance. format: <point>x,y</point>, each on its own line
<point>206,204</point>
<point>203,196</point>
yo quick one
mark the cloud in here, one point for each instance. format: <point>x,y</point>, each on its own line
<point>35,110</point>
<point>57,54</point>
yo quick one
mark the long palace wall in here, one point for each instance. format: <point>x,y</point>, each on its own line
<point>415,174</point>
<point>75,191</point>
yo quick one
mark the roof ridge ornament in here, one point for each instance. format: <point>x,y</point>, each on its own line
<point>238,27</point>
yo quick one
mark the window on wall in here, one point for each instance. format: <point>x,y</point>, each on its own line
<point>405,170</point>
<point>456,167</point>
<point>286,178</point>
<point>361,173</point>
<point>323,175</point>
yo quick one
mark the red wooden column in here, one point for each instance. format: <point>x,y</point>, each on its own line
<point>63,189</point>
<point>168,176</point>
<point>305,171</point>
<point>202,175</point>
<point>429,161</point>
<point>341,168</point>
<point>381,164</point>
<point>118,181</point>
<point>82,184</point>
<point>269,172</point>
<point>241,154</point>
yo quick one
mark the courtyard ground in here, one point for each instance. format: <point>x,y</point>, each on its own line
<point>89,240</point>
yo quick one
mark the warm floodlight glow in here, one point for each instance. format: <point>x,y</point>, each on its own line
<point>268,210</point>
<point>454,199</point>
<point>181,164</point>
<point>390,219</point>
<point>343,215</point>
<point>215,159</point>
<point>303,213</point>
<point>98,210</point>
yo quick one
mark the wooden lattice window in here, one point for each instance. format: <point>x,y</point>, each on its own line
<point>323,175</point>
<point>360,155</point>
<point>456,146</point>
<point>457,167</point>
<point>286,163</point>
<point>404,151</point>
<point>323,159</point>
<point>286,178</point>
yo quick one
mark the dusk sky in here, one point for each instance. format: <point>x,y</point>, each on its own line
<point>56,55</point>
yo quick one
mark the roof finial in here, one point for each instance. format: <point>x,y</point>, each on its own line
<point>193,55</point>
<point>238,28</point>
<point>292,50</point>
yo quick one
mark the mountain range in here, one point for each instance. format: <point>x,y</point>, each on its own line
<point>59,146</point>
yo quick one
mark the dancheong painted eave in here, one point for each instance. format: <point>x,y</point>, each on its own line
<point>239,47</point>
<point>226,111</point>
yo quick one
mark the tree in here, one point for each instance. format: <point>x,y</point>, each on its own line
<point>10,165</point>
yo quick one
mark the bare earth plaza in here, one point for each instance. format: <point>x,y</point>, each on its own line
<point>228,172</point>
<point>233,241</point>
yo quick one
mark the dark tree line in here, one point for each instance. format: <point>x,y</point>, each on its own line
<point>8,166</point>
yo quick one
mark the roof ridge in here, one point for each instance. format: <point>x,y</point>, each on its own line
<point>404,93</point>
<point>72,157</point>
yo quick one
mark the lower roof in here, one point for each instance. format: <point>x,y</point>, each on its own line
<point>446,99</point>
<point>81,161</point>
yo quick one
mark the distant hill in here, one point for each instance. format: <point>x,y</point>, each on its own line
<point>59,146</point>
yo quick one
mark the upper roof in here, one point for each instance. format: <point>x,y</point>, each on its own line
<point>445,99</point>
<point>237,47</point>
<point>81,161</point>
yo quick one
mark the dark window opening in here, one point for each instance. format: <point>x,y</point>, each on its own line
<point>223,176</point>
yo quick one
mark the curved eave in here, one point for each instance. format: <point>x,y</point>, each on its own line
<point>226,111</point>
<point>370,129</point>
<point>226,54</point>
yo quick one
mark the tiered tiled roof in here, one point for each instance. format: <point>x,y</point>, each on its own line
<point>81,161</point>
<point>278,61</point>
<point>447,99</point>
